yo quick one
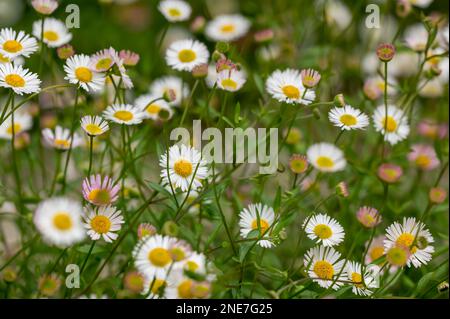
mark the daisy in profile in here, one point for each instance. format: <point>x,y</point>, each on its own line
<point>324,229</point>
<point>413,236</point>
<point>78,72</point>
<point>394,126</point>
<point>368,216</point>
<point>323,266</point>
<point>162,85</point>
<point>55,33</point>
<point>13,44</point>
<point>123,114</point>
<point>348,118</point>
<point>354,274</point>
<point>185,55</point>
<point>231,80</point>
<point>181,166</point>
<point>423,156</point>
<point>58,220</point>
<point>100,192</point>
<point>103,60</point>
<point>153,107</point>
<point>152,255</point>
<point>286,86</point>
<point>175,10</point>
<point>45,7</point>
<point>416,37</point>
<point>103,222</point>
<point>227,27</point>
<point>18,79</point>
<point>326,157</point>
<point>22,122</point>
<point>94,125</point>
<point>60,138</point>
<point>129,58</point>
<point>258,217</point>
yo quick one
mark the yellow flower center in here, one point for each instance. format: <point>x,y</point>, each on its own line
<point>186,55</point>
<point>62,221</point>
<point>12,46</point>
<point>17,127</point>
<point>376,252</point>
<point>325,162</point>
<point>51,36</point>
<point>323,231</point>
<point>3,58</point>
<point>185,289</point>
<point>93,129</point>
<point>390,124</point>
<point>83,74</point>
<point>15,80</point>
<point>357,280</point>
<point>200,290</point>
<point>298,166</point>
<point>99,196</point>
<point>62,143</point>
<point>368,219</point>
<point>124,115</point>
<point>348,120</point>
<point>153,109</point>
<point>177,254</point>
<point>227,28</point>
<point>323,269</point>
<point>423,161</point>
<point>159,257</point>
<point>291,91</point>
<point>397,256</point>
<point>229,83</point>
<point>103,64</point>
<point>263,224</point>
<point>183,168</point>
<point>192,265</point>
<point>101,224</point>
<point>405,240</point>
<point>157,285</point>
<point>174,12</point>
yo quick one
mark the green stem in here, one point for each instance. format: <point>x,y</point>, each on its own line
<point>15,162</point>
<point>189,102</point>
<point>91,145</point>
<point>87,257</point>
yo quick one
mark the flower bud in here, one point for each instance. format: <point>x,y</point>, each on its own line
<point>222,47</point>
<point>385,52</point>
<point>169,95</point>
<point>170,228</point>
<point>64,52</point>
<point>339,100</point>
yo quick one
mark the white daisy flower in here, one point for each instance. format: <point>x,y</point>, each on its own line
<point>183,165</point>
<point>416,37</point>
<point>231,80</point>
<point>104,60</point>
<point>227,27</point>
<point>18,79</point>
<point>60,138</point>
<point>152,255</point>
<point>354,274</point>
<point>183,287</point>
<point>103,221</point>
<point>184,55</point>
<point>94,125</point>
<point>195,263</point>
<point>348,118</point>
<point>326,157</point>
<point>166,83</point>
<point>175,10</point>
<point>286,86</point>
<point>154,107</point>
<point>323,266</point>
<point>258,217</point>
<point>13,44</point>
<point>421,3</point>
<point>396,123</point>
<point>58,219</point>
<point>55,32</point>
<point>22,122</point>
<point>324,229</point>
<point>123,114</point>
<point>405,235</point>
<point>78,72</point>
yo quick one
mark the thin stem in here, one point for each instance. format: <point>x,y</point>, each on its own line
<point>87,257</point>
<point>91,145</point>
<point>189,102</point>
<point>15,162</point>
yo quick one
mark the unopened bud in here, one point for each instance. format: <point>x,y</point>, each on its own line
<point>169,95</point>
<point>339,100</point>
<point>66,51</point>
<point>385,52</point>
<point>222,47</point>
<point>170,228</point>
